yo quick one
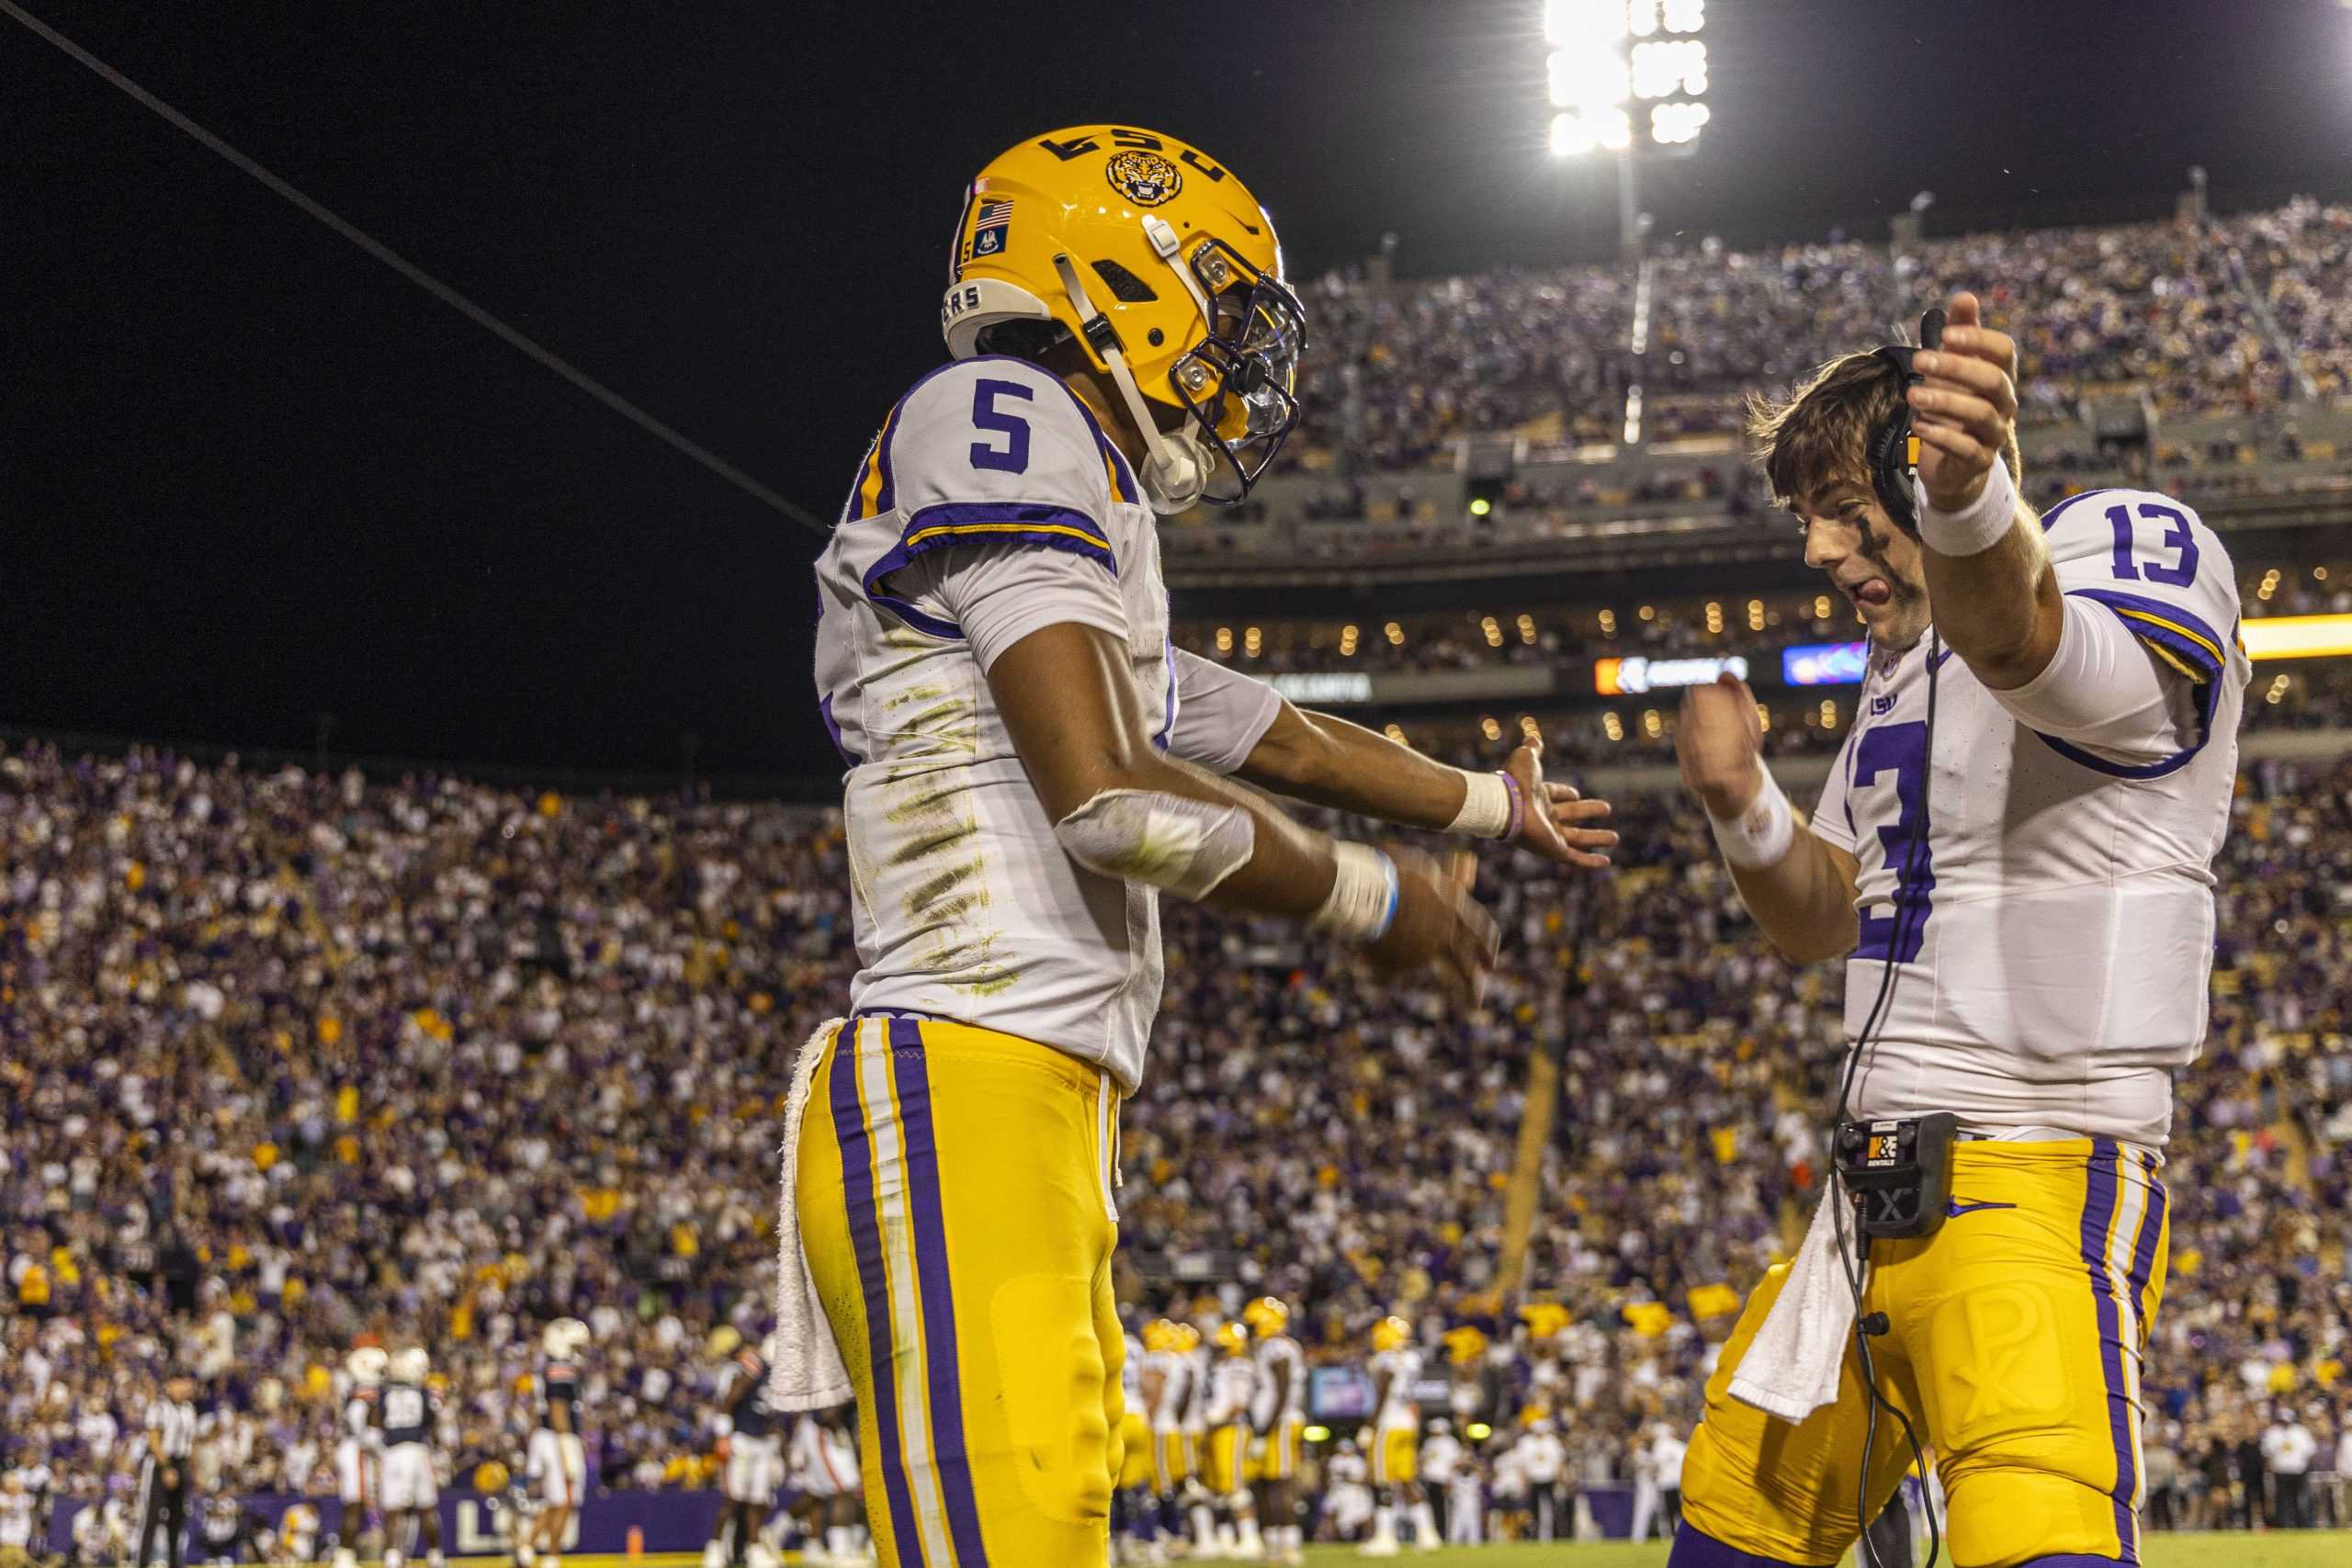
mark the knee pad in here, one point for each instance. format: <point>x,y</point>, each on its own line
<point>1050,1369</point>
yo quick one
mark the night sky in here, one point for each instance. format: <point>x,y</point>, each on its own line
<point>249,474</point>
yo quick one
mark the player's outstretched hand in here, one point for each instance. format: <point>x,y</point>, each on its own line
<point>1553,824</point>
<point>1719,742</point>
<point>1965,407</point>
<point>1438,925</point>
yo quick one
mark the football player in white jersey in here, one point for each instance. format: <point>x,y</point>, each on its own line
<point>406,1412</point>
<point>1030,764</point>
<point>557,1459</point>
<point>1225,1456</point>
<point>1279,1414</point>
<point>2014,851</point>
<point>824,1463</point>
<point>356,1455</point>
<point>1395,1438</point>
<point>753,1448</point>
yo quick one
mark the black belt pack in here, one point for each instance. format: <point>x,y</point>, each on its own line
<point>1899,1172</point>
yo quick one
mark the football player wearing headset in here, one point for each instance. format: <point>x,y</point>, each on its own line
<point>1031,765</point>
<point>2014,854</point>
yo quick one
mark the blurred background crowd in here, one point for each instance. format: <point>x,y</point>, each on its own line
<point>2233,314</point>
<point>294,1059</point>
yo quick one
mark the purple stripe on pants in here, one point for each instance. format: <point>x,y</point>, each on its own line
<point>953,1464</point>
<point>2098,1211</point>
<point>865,1234</point>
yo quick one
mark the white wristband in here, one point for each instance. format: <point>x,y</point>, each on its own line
<point>1486,807</point>
<point>1762,834</point>
<point>1363,904</point>
<point>1977,527</point>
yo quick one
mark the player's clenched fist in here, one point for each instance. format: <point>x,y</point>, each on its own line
<point>1719,742</point>
<point>1438,924</point>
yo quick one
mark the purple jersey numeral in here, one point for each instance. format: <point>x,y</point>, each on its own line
<point>1012,457</point>
<point>1901,750</point>
<point>2179,536</point>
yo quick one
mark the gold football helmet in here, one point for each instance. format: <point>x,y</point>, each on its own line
<point>1391,1332</point>
<point>1231,1337</point>
<point>1267,1314</point>
<point>1163,266</point>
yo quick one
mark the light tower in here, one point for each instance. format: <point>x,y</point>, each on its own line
<point>1628,77</point>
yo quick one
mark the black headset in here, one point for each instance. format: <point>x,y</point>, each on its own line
<point>1895,447</point>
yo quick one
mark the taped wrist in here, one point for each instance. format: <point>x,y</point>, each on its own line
<point>1760,835</point>
<point>1493,806</point>
<point>1977,527</point>
<point>1364,892</point>
<point>1173,843</point>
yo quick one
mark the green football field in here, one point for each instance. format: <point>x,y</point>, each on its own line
<point>2302,1549</point>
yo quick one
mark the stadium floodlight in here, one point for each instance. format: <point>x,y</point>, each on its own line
<point>1607,55</point>
<point>1580,78</point>
<point>1665,67</point>
<point>1671,125</point>
<point>1595,126</point>
<point>1583,24</point>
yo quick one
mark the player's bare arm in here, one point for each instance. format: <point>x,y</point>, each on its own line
<point>1803,900</point>
<point>1996,605</point>
<point>1069,706</point>
<point>1328,762</point>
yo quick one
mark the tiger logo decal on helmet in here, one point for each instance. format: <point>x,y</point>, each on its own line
<point>1169,284</point>
<point>1144,179</point>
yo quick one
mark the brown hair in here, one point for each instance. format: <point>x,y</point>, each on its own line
<point>1820,434</point>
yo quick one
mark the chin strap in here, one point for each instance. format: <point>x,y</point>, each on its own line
<point>1174,473</point>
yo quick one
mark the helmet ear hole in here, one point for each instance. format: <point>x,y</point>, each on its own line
<point>1156,337</point>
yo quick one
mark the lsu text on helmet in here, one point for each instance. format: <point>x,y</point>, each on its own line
<point>1154,263</point>
<point>1267,1314</point>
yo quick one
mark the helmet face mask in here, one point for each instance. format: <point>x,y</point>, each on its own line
<point>1239,382</point>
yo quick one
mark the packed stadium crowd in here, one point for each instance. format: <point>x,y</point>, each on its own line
<point>2168,308</point>
<point>297,1060</point>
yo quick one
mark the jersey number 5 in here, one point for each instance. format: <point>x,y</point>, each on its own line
<point>1900,749</point>
<point>1012,457</point>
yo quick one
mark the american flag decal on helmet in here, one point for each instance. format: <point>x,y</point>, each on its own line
<point>990,225</point>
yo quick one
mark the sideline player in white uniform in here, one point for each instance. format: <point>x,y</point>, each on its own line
<point>754,1449</point>
<point>406,1414</point>
<point>1168,1378</point>
<point>1279,1412</point>
<point>1030,764</point>
<point>1225,1456</point>
<point>2014,849</point>
<point>355,1453</point>
<point>1395,1438</point>
<point>557,1459</point>
<point>824,1461</point>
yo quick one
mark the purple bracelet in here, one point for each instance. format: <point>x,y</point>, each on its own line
<point>1518,806</point>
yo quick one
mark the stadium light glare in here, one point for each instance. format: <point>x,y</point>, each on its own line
<point>1583,24</point>
<point>1685,16</point>
<point>1585,78</point>
<point>1667,66</point>
<point>1671,125</point>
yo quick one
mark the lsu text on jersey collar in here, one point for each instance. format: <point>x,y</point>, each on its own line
<point>1158,261</point>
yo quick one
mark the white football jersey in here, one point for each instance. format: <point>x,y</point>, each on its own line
<point>1281,1351</point>
<point>1194,1416</point>
<point>1232,1386</point>
<point>1176,1375</point>
<point>2053,937</point>
<point>1401,1367</point>
<point>992,487</point>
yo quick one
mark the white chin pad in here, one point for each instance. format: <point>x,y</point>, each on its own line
<point>1180,846</point>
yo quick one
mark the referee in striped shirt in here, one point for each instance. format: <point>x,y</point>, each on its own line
<point>163,1479</point>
